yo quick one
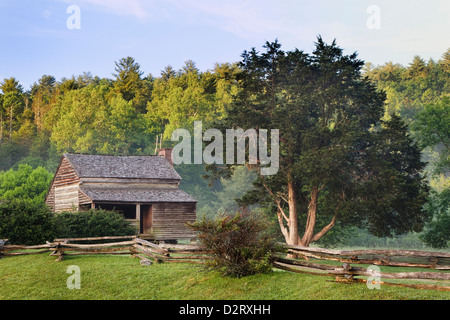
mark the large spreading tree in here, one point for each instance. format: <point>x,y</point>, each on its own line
<point>339,163</point>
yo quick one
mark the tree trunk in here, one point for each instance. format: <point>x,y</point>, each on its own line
<point>10,122</point>
<point>311,218</point>
<point>293,215</point>
<point>290,232</point>
<point>1,127</point>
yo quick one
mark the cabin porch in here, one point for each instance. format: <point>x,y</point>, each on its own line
<point>156,221</point>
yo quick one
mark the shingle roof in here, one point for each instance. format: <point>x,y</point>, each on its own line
<point>137,195</point>
<point>142,167</point>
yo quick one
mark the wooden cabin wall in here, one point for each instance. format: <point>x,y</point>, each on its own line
<point>66,198</point>
<point>169,220</point>
<point>83,198</point>
<point>63,194</point>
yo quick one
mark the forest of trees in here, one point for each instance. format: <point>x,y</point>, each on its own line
<point>130,112</point>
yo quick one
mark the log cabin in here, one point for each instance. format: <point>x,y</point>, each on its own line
<point>145,189</point>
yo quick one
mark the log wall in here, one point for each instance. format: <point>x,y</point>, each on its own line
<point>169,220</point>
<point>66,198</point>
<point>62,195</point>
<point>83,199</point>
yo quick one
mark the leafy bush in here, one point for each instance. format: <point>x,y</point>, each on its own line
<point>92,223</point>
<point>25,222</point>
<point>239,244</point>
<point>25,183</point>
<point>437,234</point>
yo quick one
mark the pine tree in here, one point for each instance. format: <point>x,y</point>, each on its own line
<point>417,68</point>
<point>445,62</point>
<point>129,83</point>
<point>13,102</point>
<point>168,73</point>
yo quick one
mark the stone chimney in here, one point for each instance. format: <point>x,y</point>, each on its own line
<point>166,153</point>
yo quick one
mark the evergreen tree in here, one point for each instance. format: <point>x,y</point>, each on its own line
<point>337,162</point>
<point>417,68</point>
<point>167,73</point>
<point>445,62</point>
<point>12,103</point>
<point>129,83</point>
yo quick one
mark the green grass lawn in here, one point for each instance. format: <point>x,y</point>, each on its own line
<point>123,278</point>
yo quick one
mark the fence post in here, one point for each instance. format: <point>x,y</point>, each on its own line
<point>348,277</point>
<point>133,250</point>
<point>59,252</point>
<point>2,243</point>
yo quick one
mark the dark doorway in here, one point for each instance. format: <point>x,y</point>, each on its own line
<point>146,219</point>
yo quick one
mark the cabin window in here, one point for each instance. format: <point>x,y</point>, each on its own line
<point>128,210</point>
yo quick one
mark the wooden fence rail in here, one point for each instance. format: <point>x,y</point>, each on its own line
<point>439,261</point>
<point>393,258</point>
<point>6,250</point>
<point>68,246</point>
<point>132,245</point>
<point>311,262</point>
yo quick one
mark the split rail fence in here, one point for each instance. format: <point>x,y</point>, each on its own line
<point>149,252</point>
<point>316,261</point>
<point>439,262</point>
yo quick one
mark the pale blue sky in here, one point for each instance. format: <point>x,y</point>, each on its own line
<point>35,40</point>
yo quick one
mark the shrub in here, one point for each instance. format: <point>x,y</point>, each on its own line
<point>26,222</point>
<point>92,223</point>
<point>436,233</point>
<point>239,244</point>
<point>25,183</point>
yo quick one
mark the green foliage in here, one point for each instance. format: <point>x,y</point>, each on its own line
<point>11,106</point>
<point>129,83</point>
<point>331,139</point>
<point>31,222</point>
<point>92,223</point>
<point>392,203</point>
<point>437,232</point>
<point>410,88</point>
<point>88,121</point>
<point>239,244</point>
<point>25,183</point>
<point>419,93</point>
<point>180,99</point>
<point>26,222</point>
<point>432,129</point>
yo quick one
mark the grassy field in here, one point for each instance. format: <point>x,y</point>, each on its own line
<point>39,277</point>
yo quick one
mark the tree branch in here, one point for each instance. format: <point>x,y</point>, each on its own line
<point>322,232</point>
<point>328,227</point>
<point>283,228</point>
<point>277,201</point>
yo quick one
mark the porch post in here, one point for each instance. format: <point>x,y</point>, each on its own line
<point>138,215</point>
